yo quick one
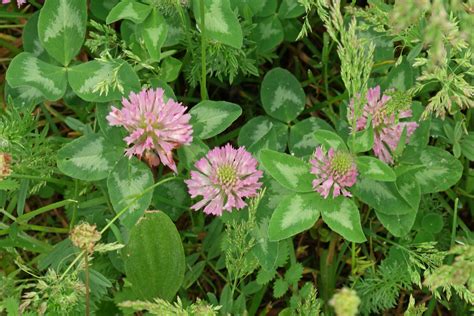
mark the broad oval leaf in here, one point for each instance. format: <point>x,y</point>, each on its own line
<point>170,69</point>
<point>24,97</point>
<point>101,8</point>
<point>375,169</point>
<point>31,40</point>
<point>210,118</point>
<point>88,158</point>
<point>295,214</point>
<point>221,22</point>
<point>126,184</point>
<point>467,146</point>
<point>421,136</point>
<point>302,141</point>
<point>269,141</point>
<point>176,31</point>
<point>409,189</point>
<point>433,222</point>
<point>268,34</point>
<point>269,7</point>
<point>291,172</point>
<point>247,6</point>
<point>398,224</point>
<point>113,134</point>
<point>290,9</point>
<point>154,31</point>
<point>274,193</point>
<point>189,154</point>
<point>400,77</point>
<point>256,128</point>
<point>172,198</point>
<point>265,251</point>
<point>383,45</point>
<point>362,141</point>
<point>100,81</point>
<point>342,216</point>
<point>292,29</point>
<point>382,196</point>
<point>282,95</point>
<point>154,257</point>
<point>439,170</point>
<point>158,83</point>
<point>27,70</point>
<point>330,139</point>
<point>62,28</point>
<point>129,10</point>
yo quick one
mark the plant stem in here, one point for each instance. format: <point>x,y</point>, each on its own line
<point>203,51</point>
<point>325,56</point>
<point>213,267</point>
<point>353,259</point>
<point>10,216</point>
<point>74,207</point>
<point>26,217</point>
<point>35,4</point>
<point>8,26</point>
<point>8,37</point>
<point>455,217</point>
<point>459,221</point>
<point>44,229</point>
<point>38,228</point>
<point>256,300</point>
<point>50,180</point>
<point>72,264</point>
<point>86,270</point>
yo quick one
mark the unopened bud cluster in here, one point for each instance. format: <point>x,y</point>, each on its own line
<point>85,236</point>
<point>345,302</point>
<point>5,165</point>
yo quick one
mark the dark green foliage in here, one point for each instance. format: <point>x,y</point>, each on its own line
<point>400,240</point>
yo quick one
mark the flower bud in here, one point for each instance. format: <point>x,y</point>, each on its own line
<point>85,236</point>
<point>345,302</point>
<point>5,164</point>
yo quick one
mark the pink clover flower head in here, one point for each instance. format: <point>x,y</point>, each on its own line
<point>18,2</point>
<point>334,170</point>
<point>224,177</point>
<point>385,117</point>
<point>156,127</point>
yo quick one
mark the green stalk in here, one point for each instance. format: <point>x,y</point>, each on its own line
<point>8,26</point>
<point>325,61</point>
<point>35,4</point>
<point>26,217</point>
<point>353,259</point>
<point>46,110</point>
<point>74,207</point>
<point>455,217</point>
<point>44,229</point>
<point>203,51</point>
<point>22,194</point>
<point>459,221</point>
<point>257,299</point>
<point>73,263</point>
<point>10,216</point>
<point>86,268</point>
<point>30,177</point>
